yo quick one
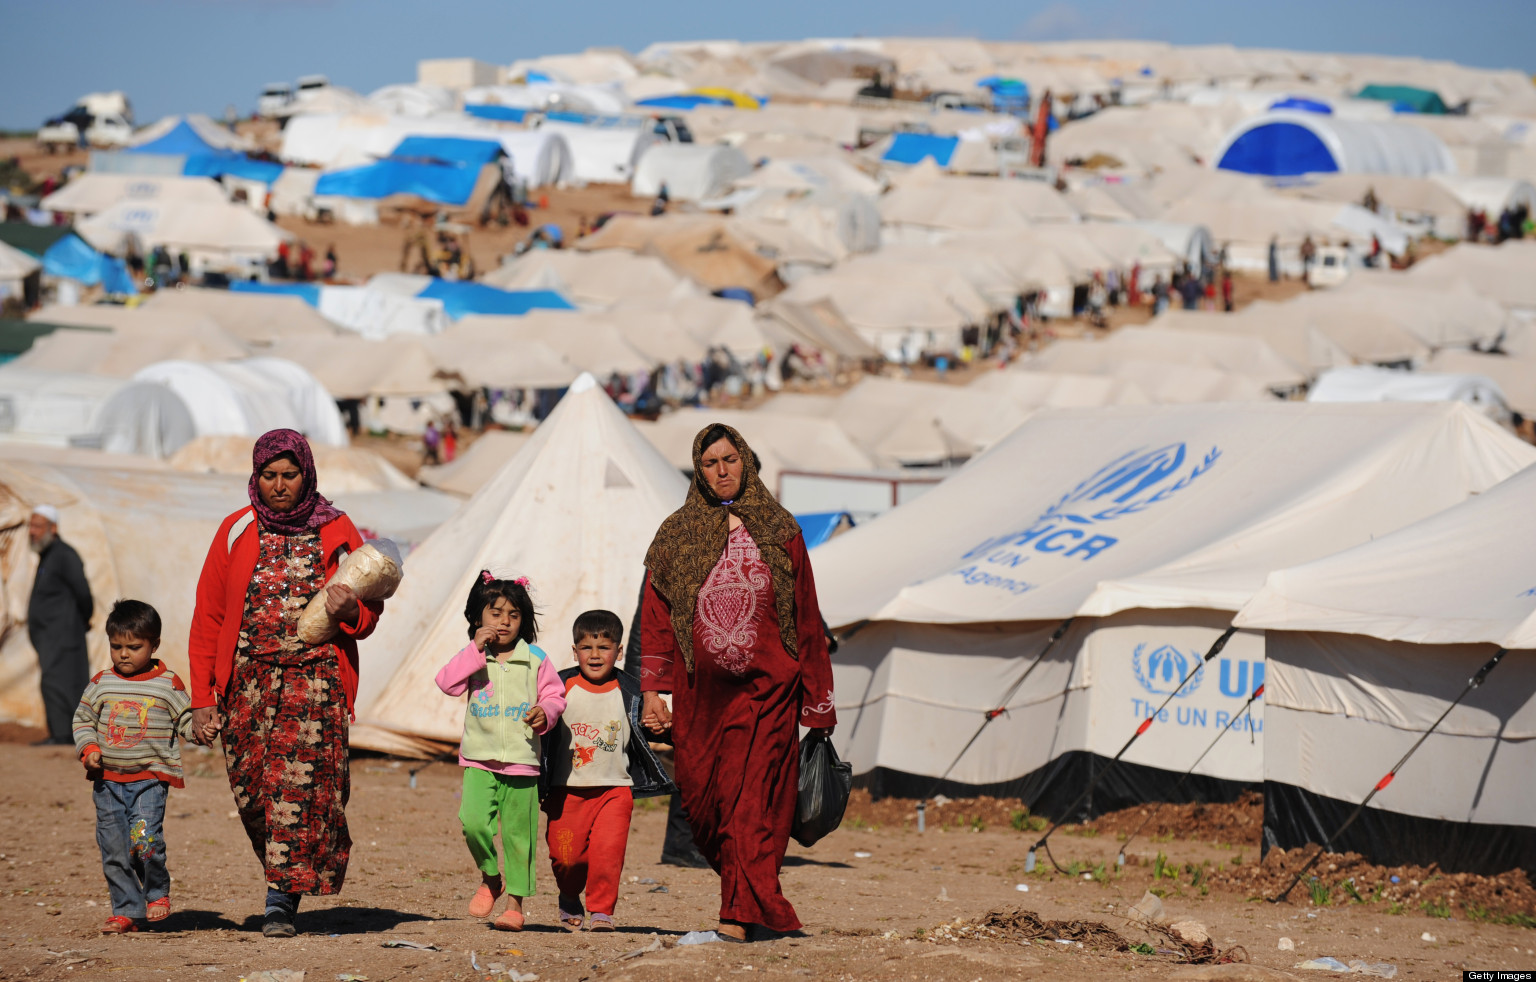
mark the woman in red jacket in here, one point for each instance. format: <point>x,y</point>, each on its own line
<point>282,705</point>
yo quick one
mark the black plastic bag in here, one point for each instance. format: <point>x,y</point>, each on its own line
<point>825,783</point>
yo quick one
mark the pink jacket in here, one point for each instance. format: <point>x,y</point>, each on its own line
<point>455,679</point>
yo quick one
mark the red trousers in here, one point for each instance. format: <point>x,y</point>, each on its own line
<point>588,831</point>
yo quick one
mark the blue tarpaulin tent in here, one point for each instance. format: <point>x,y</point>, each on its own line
<point>684,101</point>
<point>307,292</point>
<point>460,298</point>
<point>504,114</point>
<point>72,258</point>
<point>461,150</point>
<point>1303,105</point>
<point>446,184</point>
<point>911,148</point>
<point>1279,149</point>
<point>819,526</point>
<point>205,160</point>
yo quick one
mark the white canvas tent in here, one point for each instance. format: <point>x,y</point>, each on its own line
<point>1367,383</point>
<point>141,533</point>
<point>690,171</point>
<point>211,233</point>
<point>1368,647</point>
<point>250,397</point>
<point>94,192</point>
<point>602,154</point>
<point>575,510</point>
<point>1159,523</point>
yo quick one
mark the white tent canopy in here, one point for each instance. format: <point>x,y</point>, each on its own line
<point>221,228</point>
<point>574,510</point>
<point>250,397</point>
<point>1183,506</point>
<point>94,192</point>
<point>1367,383</point>
<point>689,171</point>
<point>1354,145</point>
<point>602,154</point>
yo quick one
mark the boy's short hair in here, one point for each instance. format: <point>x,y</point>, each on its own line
<point>134,618</point>
<point>598,624</point>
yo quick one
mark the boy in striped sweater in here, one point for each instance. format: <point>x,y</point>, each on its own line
<point>125,732</point>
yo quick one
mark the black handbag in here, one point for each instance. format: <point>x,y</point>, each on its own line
<point>825,783</point>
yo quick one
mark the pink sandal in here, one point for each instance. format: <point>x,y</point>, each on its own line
<point>484,900</point>
<point>510,920</point>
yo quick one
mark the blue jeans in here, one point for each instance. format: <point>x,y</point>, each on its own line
<point>129,820</point>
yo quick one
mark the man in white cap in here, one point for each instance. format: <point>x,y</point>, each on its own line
<point>58,615</point>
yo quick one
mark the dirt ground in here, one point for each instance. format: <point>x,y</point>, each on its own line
<point>878,902</point>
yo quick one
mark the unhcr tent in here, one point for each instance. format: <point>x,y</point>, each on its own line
<point>213,233</point>
<point>574,510</point>
<point>1367,648</point>
<point>249,397</point>
<point>94,192</point>
<point>1157,525</point>
<point>1288,143</point>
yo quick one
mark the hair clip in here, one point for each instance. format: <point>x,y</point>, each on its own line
<point>522,581</point>
<point>486,577</point>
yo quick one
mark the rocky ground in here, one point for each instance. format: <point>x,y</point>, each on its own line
<point>879,899</point>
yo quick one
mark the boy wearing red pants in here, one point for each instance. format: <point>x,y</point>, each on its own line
<point>597,764</point>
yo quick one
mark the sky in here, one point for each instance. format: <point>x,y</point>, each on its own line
<point>174,56</point>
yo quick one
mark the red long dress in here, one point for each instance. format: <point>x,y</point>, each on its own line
<point>735,719</point>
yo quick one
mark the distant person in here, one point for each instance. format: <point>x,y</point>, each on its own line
<point>1159,295</point>
<point>1308,254</point>
<point>596,763</point>
<point>1133,285</point>
<point>1226,291</point>
<point>329,269</point>
<point>450,442</point>
<point>1190,291</point>
<point>58,615</point>
<point>663,198</point>
<point>431,443</point>
<point>515,697</point>
<point>1274,259</point>
<point>125,730</point>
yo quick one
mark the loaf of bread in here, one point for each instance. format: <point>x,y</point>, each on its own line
<point>373,572</point>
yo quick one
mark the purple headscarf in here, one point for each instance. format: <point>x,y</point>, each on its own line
<point>312,511</point>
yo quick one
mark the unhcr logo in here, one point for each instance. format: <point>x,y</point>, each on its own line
<point>1127,485</point>
<point>1161,670</point>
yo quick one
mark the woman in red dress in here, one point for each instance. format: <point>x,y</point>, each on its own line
<point>731,628</point>
<point>282,705</point>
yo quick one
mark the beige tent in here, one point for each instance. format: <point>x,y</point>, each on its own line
<point>94,192</point>
<point>210,232</point>
<point>1247,356</point>
<point>351,367</point>
<point>574,510</point>
<point>598,278</point>
<point>781,442</point>
<point>473,468</point>
<point>486,359</point>
<point>121,354</point>
<point>975,203</point>
<point>1499,273</point>
<point>255,318</point>
<point>592,342</point>
<point>705,248</point>
<point>1059,390</point>
<point>141,533</point>
<point>818,324</point>
<point>1294,338</point>
<point>1515,375</point>
<point>342,470</point>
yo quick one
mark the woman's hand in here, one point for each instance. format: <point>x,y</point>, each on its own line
<point>655,715</point>
<point>484,637</point>
<point>341,603</point>
<point>537,718</point>
<point>205,725</point>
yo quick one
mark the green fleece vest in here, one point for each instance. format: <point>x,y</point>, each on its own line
<point>500,697</point>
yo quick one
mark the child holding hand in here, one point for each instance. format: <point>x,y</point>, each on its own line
<point>597,762</point>
<point>125,733</point>
<point>515,696</point>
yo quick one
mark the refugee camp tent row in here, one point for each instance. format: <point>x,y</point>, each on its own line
<point>1165,522</point>
<point>1367,648</point>
<point>574,510</point>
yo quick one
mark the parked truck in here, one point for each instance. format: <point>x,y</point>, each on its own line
<point>99,119</point>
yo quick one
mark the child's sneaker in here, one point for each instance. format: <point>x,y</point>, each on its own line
<point>117,924</point>
<point>159,910</point>
<point>484,900</point>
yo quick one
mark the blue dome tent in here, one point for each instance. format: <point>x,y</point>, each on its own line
<point>1289,143</point>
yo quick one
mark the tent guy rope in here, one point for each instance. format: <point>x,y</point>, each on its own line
<point>1246,710</point>
<point>1146,724</point>
<point>1472,683</point>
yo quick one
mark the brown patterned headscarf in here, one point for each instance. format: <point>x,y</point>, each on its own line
<point>692,539</point>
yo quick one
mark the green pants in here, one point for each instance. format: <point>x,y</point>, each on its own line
<point>513,801</point>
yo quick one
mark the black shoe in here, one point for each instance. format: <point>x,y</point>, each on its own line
<point>688,860</point>
<point>278,925</point>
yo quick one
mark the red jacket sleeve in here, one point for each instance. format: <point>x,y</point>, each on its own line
<point>208,617</point>
<point>816,701</point>
<point>658,642</point>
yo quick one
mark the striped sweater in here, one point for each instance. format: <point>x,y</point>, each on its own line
<point>133,723</point>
